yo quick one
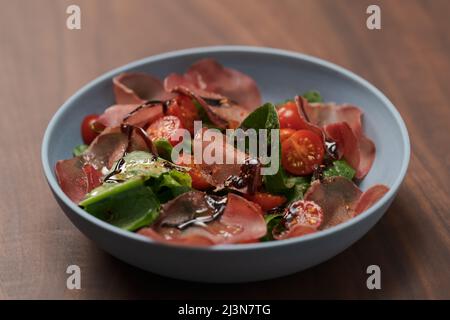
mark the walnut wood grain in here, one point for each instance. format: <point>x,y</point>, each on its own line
<point>42,63</point>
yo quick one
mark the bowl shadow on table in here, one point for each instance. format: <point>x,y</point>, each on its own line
<point>343,276</point>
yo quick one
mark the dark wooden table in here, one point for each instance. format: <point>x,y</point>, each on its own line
<point>42,63</point>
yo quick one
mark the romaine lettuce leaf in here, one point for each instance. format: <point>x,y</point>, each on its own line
<point>129,205</point>
<point>144,182</point>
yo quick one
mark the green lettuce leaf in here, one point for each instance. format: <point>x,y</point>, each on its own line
<point>265,117</point>
<point>145,182</point>
<point>141,163</point>
<point>206,122</point>
<point>170,185</point>
<point>129,205</point>
<point>79,150</point>
<point>299,187</point>
<point>340,168</point>
<point>313,96</point>
<point>164,149</point>
<point>272,220</point>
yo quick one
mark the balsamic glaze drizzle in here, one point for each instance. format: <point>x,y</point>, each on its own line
<point>331,155</point>
<point>146,104</point>
<point>215,203</point>
<point>166,105</point>
<point>128,129</point>
<point>116,170</point>
<point>247,174</point>
<point>300,104</point>
<point>331,149</point>
<point>215,102</point>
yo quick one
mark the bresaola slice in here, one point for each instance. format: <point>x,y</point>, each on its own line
<point>103,152</point>
<point>137,87</point>
<point>240,221</point>
<point>302,105</point>
<point>226,95</point>
<point>243,174</point>
<point>325,114</point>
<point>347,143</point>
<point>221,111</point>
<point>370,197</point>
<point>113,116</point>
<point>209,75</point>
<point>72,178</point>
<point>300,218</point>
<point>134,114</point>
<point>79,175</point>
<point>341,200</point>
<point>106,149</point>
<point>337,197</point>
<point>132,90</point>
<point>227,110</point>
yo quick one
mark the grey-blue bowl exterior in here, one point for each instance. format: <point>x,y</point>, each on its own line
<point>280,75</point>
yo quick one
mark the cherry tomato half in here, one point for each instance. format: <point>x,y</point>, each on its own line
<point>88,132</point>
<point>304,213</point>
<point>199,180</point>
<point>165,128</point>
<point>289,116</point>
<point>301,217</point>
<point>183,107</point>
<point>267,201</point>
<point>301,152</point>
<point>286,133</point>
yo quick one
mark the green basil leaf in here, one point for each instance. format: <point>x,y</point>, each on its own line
<point>300,186</point>
<point>278,182</point>
<point>79,150</point>
<point>340,168</point>
<point>271,220</point>
<point>265,117</point>
<point>164,149</point>
<point>170,185</point>
<point>206,122</point>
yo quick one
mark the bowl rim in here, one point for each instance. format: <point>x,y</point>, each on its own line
<point>48,170</point>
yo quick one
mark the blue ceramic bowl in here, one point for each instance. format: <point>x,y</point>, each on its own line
<point>279,74</point>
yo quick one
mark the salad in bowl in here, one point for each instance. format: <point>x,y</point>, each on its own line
<point>199,159</point>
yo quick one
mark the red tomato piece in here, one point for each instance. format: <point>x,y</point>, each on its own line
<point>289,116</point>
<point>305,213</point>
<point>199,180</point>
<point>267,201</point>
<point>301,217</point>
<point>165,128</point>
<point>301,152</point>
<point>286,133</point>
<point>183,107</point>
<point>88,131</point>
